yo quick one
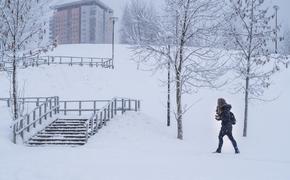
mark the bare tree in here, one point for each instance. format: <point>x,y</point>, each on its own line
<point>251,32</point>
<point>184,36</point>
<point>136,22</point>
<point>23,29</point>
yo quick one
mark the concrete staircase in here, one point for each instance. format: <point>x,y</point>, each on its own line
<point>68,132</point>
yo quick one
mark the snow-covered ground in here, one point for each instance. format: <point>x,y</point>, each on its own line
<point>140,146</point>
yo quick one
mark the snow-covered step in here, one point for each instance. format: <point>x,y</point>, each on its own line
<point>59,131</point>
<point>56,143</point>
<point>62,133</point>
<point>57,140</point>
<point>65,128</point>
<point>63,136</point>
<point>67,125</point>
<point>65,132</point>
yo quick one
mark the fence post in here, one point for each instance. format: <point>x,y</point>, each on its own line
<point>105,117</point>
<point>27,122</point>
<point>37,102</point>
<point>21,126</point>
<point>45,110</point>
<point>87,132</point>
<point>37,61</point>
<point>22,101</point>
<point>92,126</point>
<point>57,102</point>
<point>65,108</point>
<point>136,106</point>
<point>101,119</point>
<point>40,112</point>
<point>34,116</point>
<point>112,110</point>
<point>96,129</point>
<point>8,102</point>
<point>139,105</point>
<point>94,107</point>
<point>115,106</point>
<point>14,134</point>
<point>109,112</point>
<point>50,107</point>
<point>123,106</point>
<point>80,107</point>
<point>129,104</point>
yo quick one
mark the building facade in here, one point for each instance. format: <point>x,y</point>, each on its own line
<point>84,21</point>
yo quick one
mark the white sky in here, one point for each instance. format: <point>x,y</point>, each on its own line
<point>284,12</point>
<point>283,16</point>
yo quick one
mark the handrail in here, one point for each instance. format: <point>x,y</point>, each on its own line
<point>64,104</point>
<point>36,100</point>
<point>23,124</point>
<point>35,121</point>
<point>25,62</point>
<point>97,120</point>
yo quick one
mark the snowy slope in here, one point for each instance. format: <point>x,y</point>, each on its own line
<point>140,146</point>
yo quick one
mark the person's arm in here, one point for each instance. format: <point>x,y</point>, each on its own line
<point>217,115</point>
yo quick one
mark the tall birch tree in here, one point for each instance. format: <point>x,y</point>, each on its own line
<point>23,29</point>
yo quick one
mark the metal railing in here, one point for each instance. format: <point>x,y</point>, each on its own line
<point>30,121</point>
<point>27,100</point>
<point>47,107</point>
<point>81,106</point>
<point>65,106</point>
<point>25,62</point>
<point>99,119</point>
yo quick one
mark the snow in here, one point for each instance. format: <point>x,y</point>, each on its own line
<point>139,145</point>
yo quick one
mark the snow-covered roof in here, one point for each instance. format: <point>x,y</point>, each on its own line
<point>68,3</point>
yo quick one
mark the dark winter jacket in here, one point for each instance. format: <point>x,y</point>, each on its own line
<point>227,117</point>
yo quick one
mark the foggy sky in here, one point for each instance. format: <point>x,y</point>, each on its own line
<point>284,11</point>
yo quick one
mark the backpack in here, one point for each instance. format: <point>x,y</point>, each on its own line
<point>232,118</point>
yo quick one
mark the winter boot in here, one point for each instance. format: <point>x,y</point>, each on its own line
<point>218,151</point>
<point>237,151</point>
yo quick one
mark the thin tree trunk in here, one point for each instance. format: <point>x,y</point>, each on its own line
<point>168,94</point>
<point>179,107</point>
<point>178,76</point>
<point>248,73</point>
<point>246,108</point>
<point>179,91</point>
<point>14,87</point>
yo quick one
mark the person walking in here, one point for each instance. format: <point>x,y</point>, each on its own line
<point>227,118</point>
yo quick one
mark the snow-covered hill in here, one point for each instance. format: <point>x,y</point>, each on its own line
<point>140,146</point>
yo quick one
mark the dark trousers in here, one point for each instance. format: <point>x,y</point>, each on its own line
<point>226,130</point>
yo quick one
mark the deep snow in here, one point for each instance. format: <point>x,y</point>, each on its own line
<point>140,146</point>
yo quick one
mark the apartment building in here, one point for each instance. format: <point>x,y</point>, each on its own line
<point>83,21</point>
